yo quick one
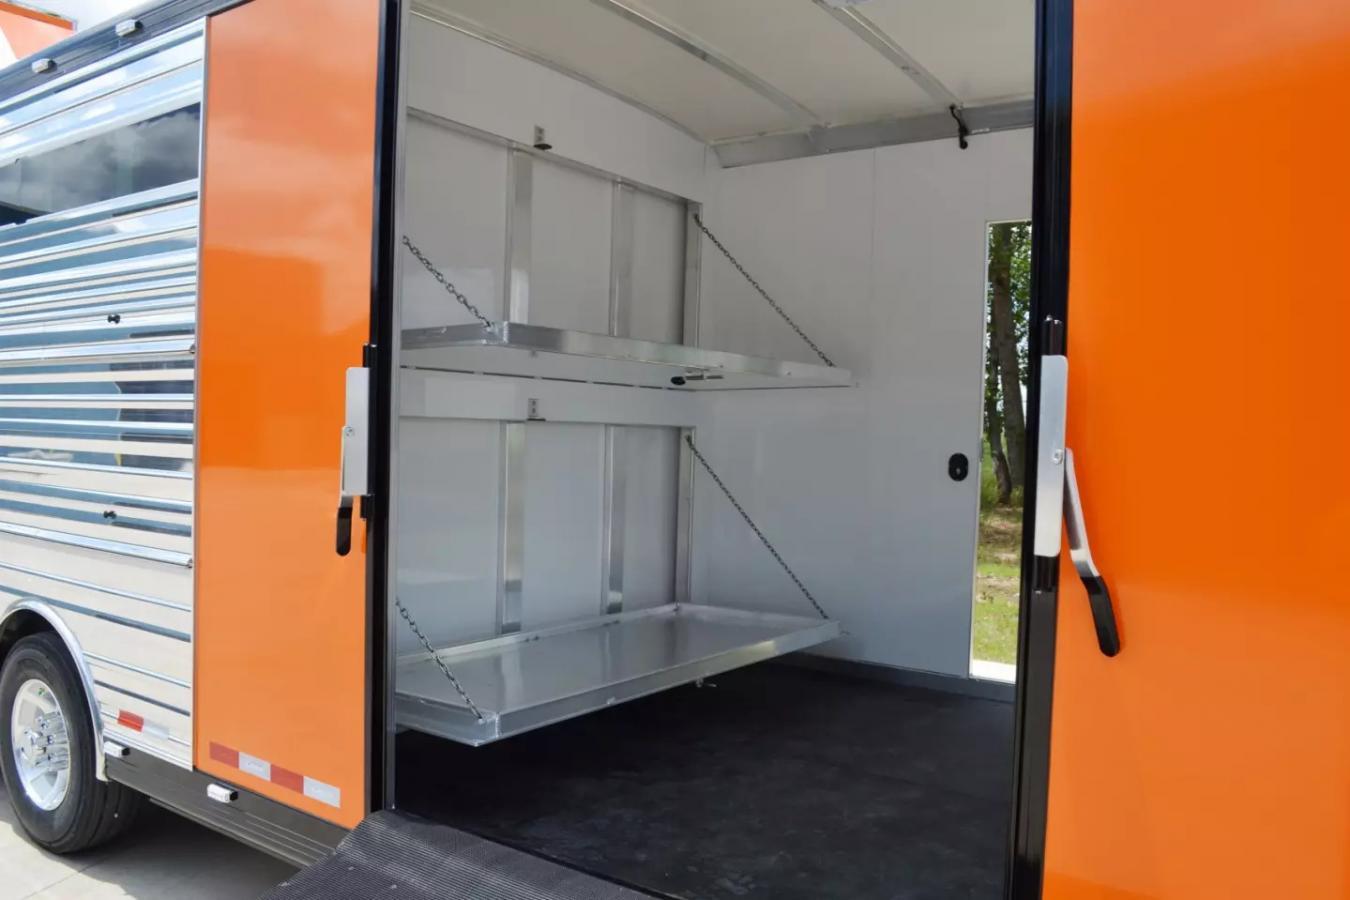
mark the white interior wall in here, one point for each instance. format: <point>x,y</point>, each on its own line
<point>451,471</point>
<point>564,510</point>
<point>455,212</point>
<point>651,484</point>
<point>457,175</point>
<point>658,269</point>
<point>570,249</point>
<point>448,502</point>
<point>880,256</point>
<point>466,80</point>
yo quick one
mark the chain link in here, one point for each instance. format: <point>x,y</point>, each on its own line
<point>755,528</point>
<point>435,657</point>
<point>698,220</point>
<point>445,282</point>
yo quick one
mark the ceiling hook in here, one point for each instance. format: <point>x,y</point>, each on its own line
<point>962,129</point>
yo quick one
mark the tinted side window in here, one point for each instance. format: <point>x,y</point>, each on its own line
<point>137,157</point>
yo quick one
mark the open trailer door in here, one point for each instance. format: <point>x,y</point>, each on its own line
<point>284,647</point>
<point>1206,313</point>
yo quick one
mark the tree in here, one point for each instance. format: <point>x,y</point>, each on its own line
<point>993,431</point>
<point>1009,300</point>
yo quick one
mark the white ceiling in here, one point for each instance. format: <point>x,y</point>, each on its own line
<point>799,66</point>
<point>796,46</point>
<point>983,50</point>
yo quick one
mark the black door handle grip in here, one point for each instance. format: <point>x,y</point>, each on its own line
<point>1099,596</point>
<point>344,527</point>
<point>1103,614</point>
<point>353,475</point>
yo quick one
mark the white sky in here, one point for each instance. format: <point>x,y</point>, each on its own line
<point>85,12</point>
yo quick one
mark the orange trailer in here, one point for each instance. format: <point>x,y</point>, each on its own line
<point>396,449</point>
<point>25,31</point>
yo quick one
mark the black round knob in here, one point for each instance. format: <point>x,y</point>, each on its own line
<point>958,466</point>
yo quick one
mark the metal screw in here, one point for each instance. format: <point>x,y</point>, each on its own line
<point>1057,457</point>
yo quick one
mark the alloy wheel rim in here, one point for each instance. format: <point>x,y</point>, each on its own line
<point>40,743</point>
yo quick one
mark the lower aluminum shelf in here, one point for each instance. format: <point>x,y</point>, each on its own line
<point>527,680</point>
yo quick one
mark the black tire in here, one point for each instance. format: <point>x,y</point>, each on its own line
<point>92,811</point>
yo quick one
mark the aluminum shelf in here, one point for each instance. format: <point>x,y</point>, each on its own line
<point>531,679</point>
<point>512,348</point>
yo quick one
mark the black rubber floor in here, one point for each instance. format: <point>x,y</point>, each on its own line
<point>770,783</point>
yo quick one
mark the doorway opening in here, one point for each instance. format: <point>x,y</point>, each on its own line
<point>684,488</point>
<point>1003,460</point>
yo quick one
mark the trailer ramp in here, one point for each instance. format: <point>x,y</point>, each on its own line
<point>397,856</point>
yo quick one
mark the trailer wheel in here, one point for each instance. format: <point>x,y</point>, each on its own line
<point>47,752</point>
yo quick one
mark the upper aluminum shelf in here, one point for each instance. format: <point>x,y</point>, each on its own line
<point>513,348</point>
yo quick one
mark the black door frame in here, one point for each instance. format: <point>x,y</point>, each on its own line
<point>379,359</point>
<point>1040,578</point>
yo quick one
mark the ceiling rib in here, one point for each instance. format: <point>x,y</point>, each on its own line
<point>868,135</point>
<point>884,44</point>
<point>474,30</point>
<point>697,48</point>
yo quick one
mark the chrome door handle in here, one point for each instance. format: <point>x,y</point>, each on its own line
<point>1099,596</point>
<point>1058,500</point>
<point>353,468</point>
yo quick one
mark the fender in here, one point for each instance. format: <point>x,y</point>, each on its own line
<point>81,666</point>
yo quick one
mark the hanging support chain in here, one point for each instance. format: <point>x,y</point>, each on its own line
<point>403,610</point>
<point>698,220</point>
<point>755,528</point>
<point>445,282</point>
<point>440,663</point>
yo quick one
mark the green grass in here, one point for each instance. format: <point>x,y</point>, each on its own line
<point>996,631</point>
<point>997,572</point>
<point>1001,570</point>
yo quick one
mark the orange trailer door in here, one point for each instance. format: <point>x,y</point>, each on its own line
<point>282,641</point>
<point>1207,318</point>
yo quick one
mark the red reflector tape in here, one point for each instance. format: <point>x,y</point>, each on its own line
<point>130,720</point>
<point>223,754</point>
<point>288,779</point>
<point>270,772</point>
